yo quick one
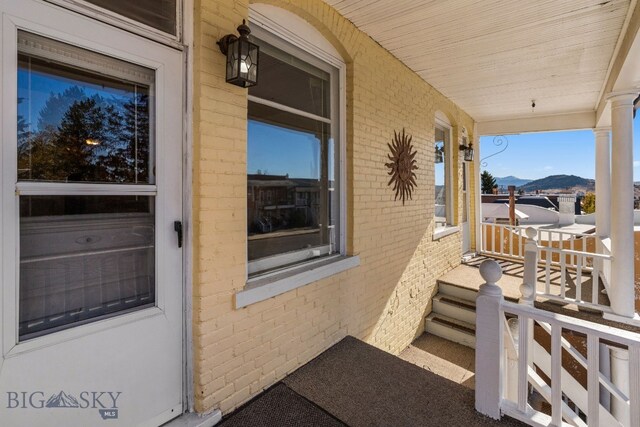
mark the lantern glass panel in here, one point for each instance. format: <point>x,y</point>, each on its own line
<point>252,62</point>
<point>468,154</point>
<point>243,53</point>
<point>232,61</point>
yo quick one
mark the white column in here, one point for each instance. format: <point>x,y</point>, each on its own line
<point>622,251</point>
<point>603,182</point>
<point>620,377</point>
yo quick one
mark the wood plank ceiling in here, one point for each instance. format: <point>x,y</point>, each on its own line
<point>492,57</point>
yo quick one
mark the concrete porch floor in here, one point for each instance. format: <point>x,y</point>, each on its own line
<point>356,384</point>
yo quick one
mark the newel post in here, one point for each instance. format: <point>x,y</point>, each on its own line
<point>489,342</point>
<point>528,287</point>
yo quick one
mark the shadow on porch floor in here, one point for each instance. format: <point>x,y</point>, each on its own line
<point>356,384</point>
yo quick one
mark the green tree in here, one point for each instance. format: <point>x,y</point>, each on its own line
<point>488,182</point>
<point>589,203</point>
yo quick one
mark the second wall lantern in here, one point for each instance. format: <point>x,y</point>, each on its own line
<point>242,57</point>
<point>466,147</point>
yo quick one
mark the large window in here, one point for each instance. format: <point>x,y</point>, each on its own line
<point>293,200</point>
<point>443,187</point>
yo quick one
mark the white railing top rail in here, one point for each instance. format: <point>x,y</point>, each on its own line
<point>543,229</point>
<point>585,327</point>
<point>573,252</point>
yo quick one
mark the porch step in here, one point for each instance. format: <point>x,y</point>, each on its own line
<point>454,307</point>
<point>451,329</point>
<point>456,291</point>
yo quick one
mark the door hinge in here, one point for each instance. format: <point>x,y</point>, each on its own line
<point>177,226</point>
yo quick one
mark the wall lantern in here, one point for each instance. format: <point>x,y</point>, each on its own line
<point>242,57</point>
<point>468,151</point>
<point>465,147</point>
<point>439,153</point>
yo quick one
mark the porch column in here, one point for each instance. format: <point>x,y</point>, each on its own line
<point>603,182</point>
<point>622,251</point>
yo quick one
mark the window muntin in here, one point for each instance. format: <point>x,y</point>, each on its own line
<point>83,118</point>
<point>442,146</point>
<point>159,14</point>
<point>292,190</point>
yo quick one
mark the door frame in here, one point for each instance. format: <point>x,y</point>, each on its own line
<point>8,347</point>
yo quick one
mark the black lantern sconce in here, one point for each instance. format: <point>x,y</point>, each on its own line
<point>468,151</point>
<point>466,147</point>
<point>242,57</point>
<point>439,152</point>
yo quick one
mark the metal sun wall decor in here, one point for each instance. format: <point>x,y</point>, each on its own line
<point>402,165</point>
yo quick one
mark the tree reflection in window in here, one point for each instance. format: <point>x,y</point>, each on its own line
<point>79,127</point>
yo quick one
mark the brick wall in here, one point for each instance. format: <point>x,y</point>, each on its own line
<point>238,353</point>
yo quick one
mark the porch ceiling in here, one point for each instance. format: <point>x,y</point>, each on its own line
<point>492,57</point>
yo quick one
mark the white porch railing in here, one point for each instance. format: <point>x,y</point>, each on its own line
<point>507,372</point>
<point>564,257</point>
<point>507,241</point>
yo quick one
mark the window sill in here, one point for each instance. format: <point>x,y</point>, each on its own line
<point>441,232</point>
<point>262,288</point>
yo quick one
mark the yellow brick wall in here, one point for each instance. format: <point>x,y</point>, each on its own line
<point>384,301</point>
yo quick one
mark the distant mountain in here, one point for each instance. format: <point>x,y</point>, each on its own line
<point>560,182</point>
<point>511,180</point>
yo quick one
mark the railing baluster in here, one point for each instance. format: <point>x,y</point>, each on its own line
<point>556,372</point>
<point>547,283</point>
<point>511,233</point>
<point>523,362</point>
<point>634,383</point>
<point>563,283</point>
<point>595,280</point>
<point>579,278</point>
<point>593,380</point>
<point>572,247</point>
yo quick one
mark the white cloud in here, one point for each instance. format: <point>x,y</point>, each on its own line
<point>636,163</point>
<point>547,168</point>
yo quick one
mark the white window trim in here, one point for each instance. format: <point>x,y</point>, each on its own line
<point>270,285</point>
<point>451,227</point>
<point>287,26</point>
<point>112,18</point>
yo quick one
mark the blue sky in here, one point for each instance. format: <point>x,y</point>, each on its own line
<point>537,155</point>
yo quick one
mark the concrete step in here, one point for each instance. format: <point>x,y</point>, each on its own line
<point>456,291</point>
<point>454,307</point>
<point>451,329</point>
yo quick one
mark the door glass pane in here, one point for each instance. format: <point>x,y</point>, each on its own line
<point>160,14</point>
<point>84,258</point>
<point>82,117</point>
<point>76,124</point>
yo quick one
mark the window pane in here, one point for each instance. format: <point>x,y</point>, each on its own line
<point>83,258</point>
<point>160,14</point>
<point>77,125</point>
<point>289,81</point>
<point>441,148</point>
<point>288,184</point>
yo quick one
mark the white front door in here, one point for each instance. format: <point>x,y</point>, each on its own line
<point>91,291</point>
<point>466,232</point>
